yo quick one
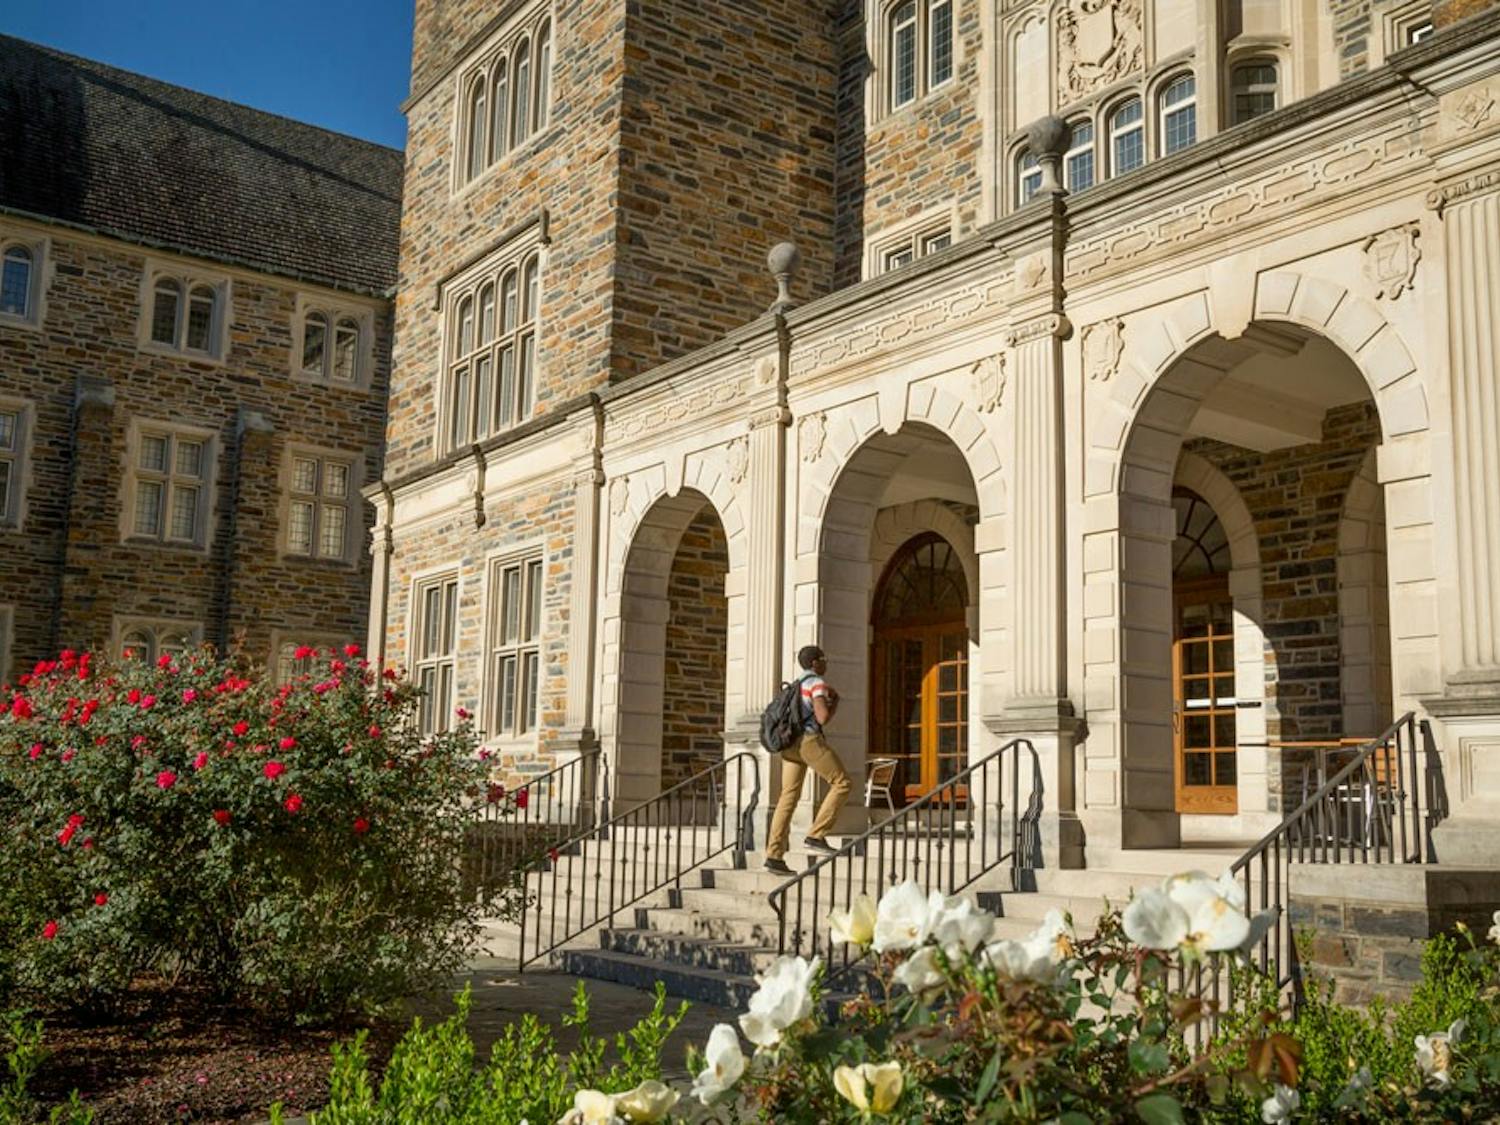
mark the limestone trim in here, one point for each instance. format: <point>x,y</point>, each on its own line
<point>17,425</point>
<point>896,525</point>
<point>324,497</point>
<point>280,656</point>
<point>880,91</point>
<point>167,481</point>
<point>920,236</point>
<point>160,634</point>
<point>336,320</point>
<point>502,95</point>
<point>505,722</point>
<point>38,249</point>
<point>191,286</point>
<point>1364,607</point>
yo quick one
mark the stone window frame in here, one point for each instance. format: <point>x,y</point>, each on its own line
<point>141,428</point>
<point>1160,110</point>
<point>16,456</point>
<point>1106,131</point>
<point>516,259</point>
<point>293,638</point>
<point>1398,24</point>
<point>1248,53</point>
<point>424,662</point>
<point>916,236</point>
<point>335,315</point>
<point>7,640</point>
<point>157,629</point>
<point>39,247</point>
<point>188,278</point>
<point>477,93</point>
<point>880,17</point>
<point>1021,172</point>
<point>1077,151</point>
<point>528,561</point>
<point>353,464</point>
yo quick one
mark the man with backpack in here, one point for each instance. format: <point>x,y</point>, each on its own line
<point>818,703</point>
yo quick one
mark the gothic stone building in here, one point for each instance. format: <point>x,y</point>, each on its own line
<point>1133,388</point>
<point>194,355</point>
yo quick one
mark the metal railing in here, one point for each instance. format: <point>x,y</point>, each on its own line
<point>1380,808</point>
<point>590,878</point>
<point>945,840</point>
<point>513,831</point>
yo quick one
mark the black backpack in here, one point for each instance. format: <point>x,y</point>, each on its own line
<point>781,721</point>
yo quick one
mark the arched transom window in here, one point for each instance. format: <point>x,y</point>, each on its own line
<point>506,98</point>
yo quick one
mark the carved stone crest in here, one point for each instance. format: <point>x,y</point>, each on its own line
<point>1032,272</point>
<point>737,453</point>
<point>619,495</point>
<point>1391,260</point>
<point>1098,42</point>
<point>1473,109</point>
<point>812,431</point>
<point>989,382</point>
<point>1102,343</point>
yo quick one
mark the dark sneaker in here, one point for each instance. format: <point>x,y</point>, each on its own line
<point>778,867</point>
<point>818,845</point>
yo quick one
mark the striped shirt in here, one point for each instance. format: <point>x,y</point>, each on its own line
<point>813,687</point>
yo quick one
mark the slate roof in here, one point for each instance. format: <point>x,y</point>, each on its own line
<point>149,162</point>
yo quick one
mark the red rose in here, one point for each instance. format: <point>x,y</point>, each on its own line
<point>190,695</point>
<point>462,713</point>
<point>20,707</point>
<point>222,817</point>
<point>88,843</point>
<point>552,854</point>
<point>293,803</point>
<point>133,695</point>
<point>101,899</point>
<point>273,770</point>
<point>241,728</point>
<point>148,702</point>
<point>65,837</point>
<point>304,652</point>
<point>166,779</point>
<point>374,731</point>
<point>49,931</point>
<point>288,743</point>
<point>351,651</point>
<point>201,760</point>
<point>36,751</point>
<point>522,798</point>
<point>164,660</point>
<point>361,826</point>
<point>75,820</point>
<point>137,742</point>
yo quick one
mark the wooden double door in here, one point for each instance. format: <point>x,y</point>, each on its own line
<point>919,693</point>
<point>1203,698</point>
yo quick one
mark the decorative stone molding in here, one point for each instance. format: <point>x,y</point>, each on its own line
<point>1053,324</point>
<point>619,496</point>
<point>812,432</point>
<point>989,383</point>
<point>1033,272</point>
<point>737,455</point>
<point>655,417</point>
<point>1439,197</point>
<point>1102,345</point>
<point>1098,43</point>
<point>1474,108</point>
<point>1391,260</point>
<point>771,416</point>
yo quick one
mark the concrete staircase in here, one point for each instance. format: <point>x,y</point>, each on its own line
<point>707,941</point>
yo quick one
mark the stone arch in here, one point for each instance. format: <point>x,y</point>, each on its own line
<point>1364,606</point>
<point>1219,492</point>
<point>895,526</point>
<point>1134,429</point>
<point>647,525</point>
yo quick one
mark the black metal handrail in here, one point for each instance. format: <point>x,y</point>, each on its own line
<point>594,875</point>
<point>1370,811</point>
<point>932,841</point>
<point>512,831</point>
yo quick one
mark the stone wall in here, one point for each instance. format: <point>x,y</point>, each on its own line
<point>693,717</point>
<point>69,570</point>
<point>1363,927</point>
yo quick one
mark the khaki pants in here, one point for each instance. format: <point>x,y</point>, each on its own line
<point>812,751</point>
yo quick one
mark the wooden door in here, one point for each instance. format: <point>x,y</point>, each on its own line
<point>920,667</point>
<point>1203,699</point>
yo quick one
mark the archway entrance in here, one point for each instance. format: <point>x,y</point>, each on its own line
<point>1203,660</point>
<point>920,663</point>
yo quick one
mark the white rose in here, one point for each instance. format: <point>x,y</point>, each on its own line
<point>1191,912</point>
<point>957,924</point>
<point>726,1063</point>
<point>1280,1106</point>
<point>590,1107</point>
<point>870,1087</point>
<point>1435,1054</point>
<point>648,1103</point>
<point>901,919</point>
<point>855,926</point>
<point>1495,929</point>
<point>920,972</point>
<point>783,999</point>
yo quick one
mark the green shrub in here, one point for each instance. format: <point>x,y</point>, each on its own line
<point>432,1078</point>
<point>294,846</point>
<point>21,1040</point>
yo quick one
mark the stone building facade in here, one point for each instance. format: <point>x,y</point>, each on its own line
<point>194,358</point>
<point>1132,390</point>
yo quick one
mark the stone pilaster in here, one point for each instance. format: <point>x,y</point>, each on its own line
<point>255,521</point>
<point>578,733</point>
<point>93,517</point>
<point>382,548</point>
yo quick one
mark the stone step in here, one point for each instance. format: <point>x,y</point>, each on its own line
<point>688,982</point>
<point>761,930</point>
<point>690,952</point>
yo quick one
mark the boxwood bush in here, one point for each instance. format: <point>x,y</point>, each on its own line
<point>293,846</point>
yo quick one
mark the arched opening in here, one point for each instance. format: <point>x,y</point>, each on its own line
<point>919,694</point>
<point>1278,422</point>
<point>674,626</point>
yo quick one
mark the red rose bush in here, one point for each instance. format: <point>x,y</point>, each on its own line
<point>293,846</point>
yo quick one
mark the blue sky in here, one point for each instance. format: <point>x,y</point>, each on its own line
<point>342,64</point>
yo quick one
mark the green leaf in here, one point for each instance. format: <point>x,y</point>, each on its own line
<point>1074,1117</point>
<point>987,1080</point>
<point>1147,1057</point>
<point>1160,1109</point>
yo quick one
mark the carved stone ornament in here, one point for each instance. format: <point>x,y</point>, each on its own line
<point>765,371</point>
<point>812,432</point>
<point>619,495</point>
<point>1474,108</point>
<point>989,382</point>
<point>737,453</point>
<point>1102,345</point>
<point>1032,272</point>
<point>1098,43</point>
<point>1391,260</point>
